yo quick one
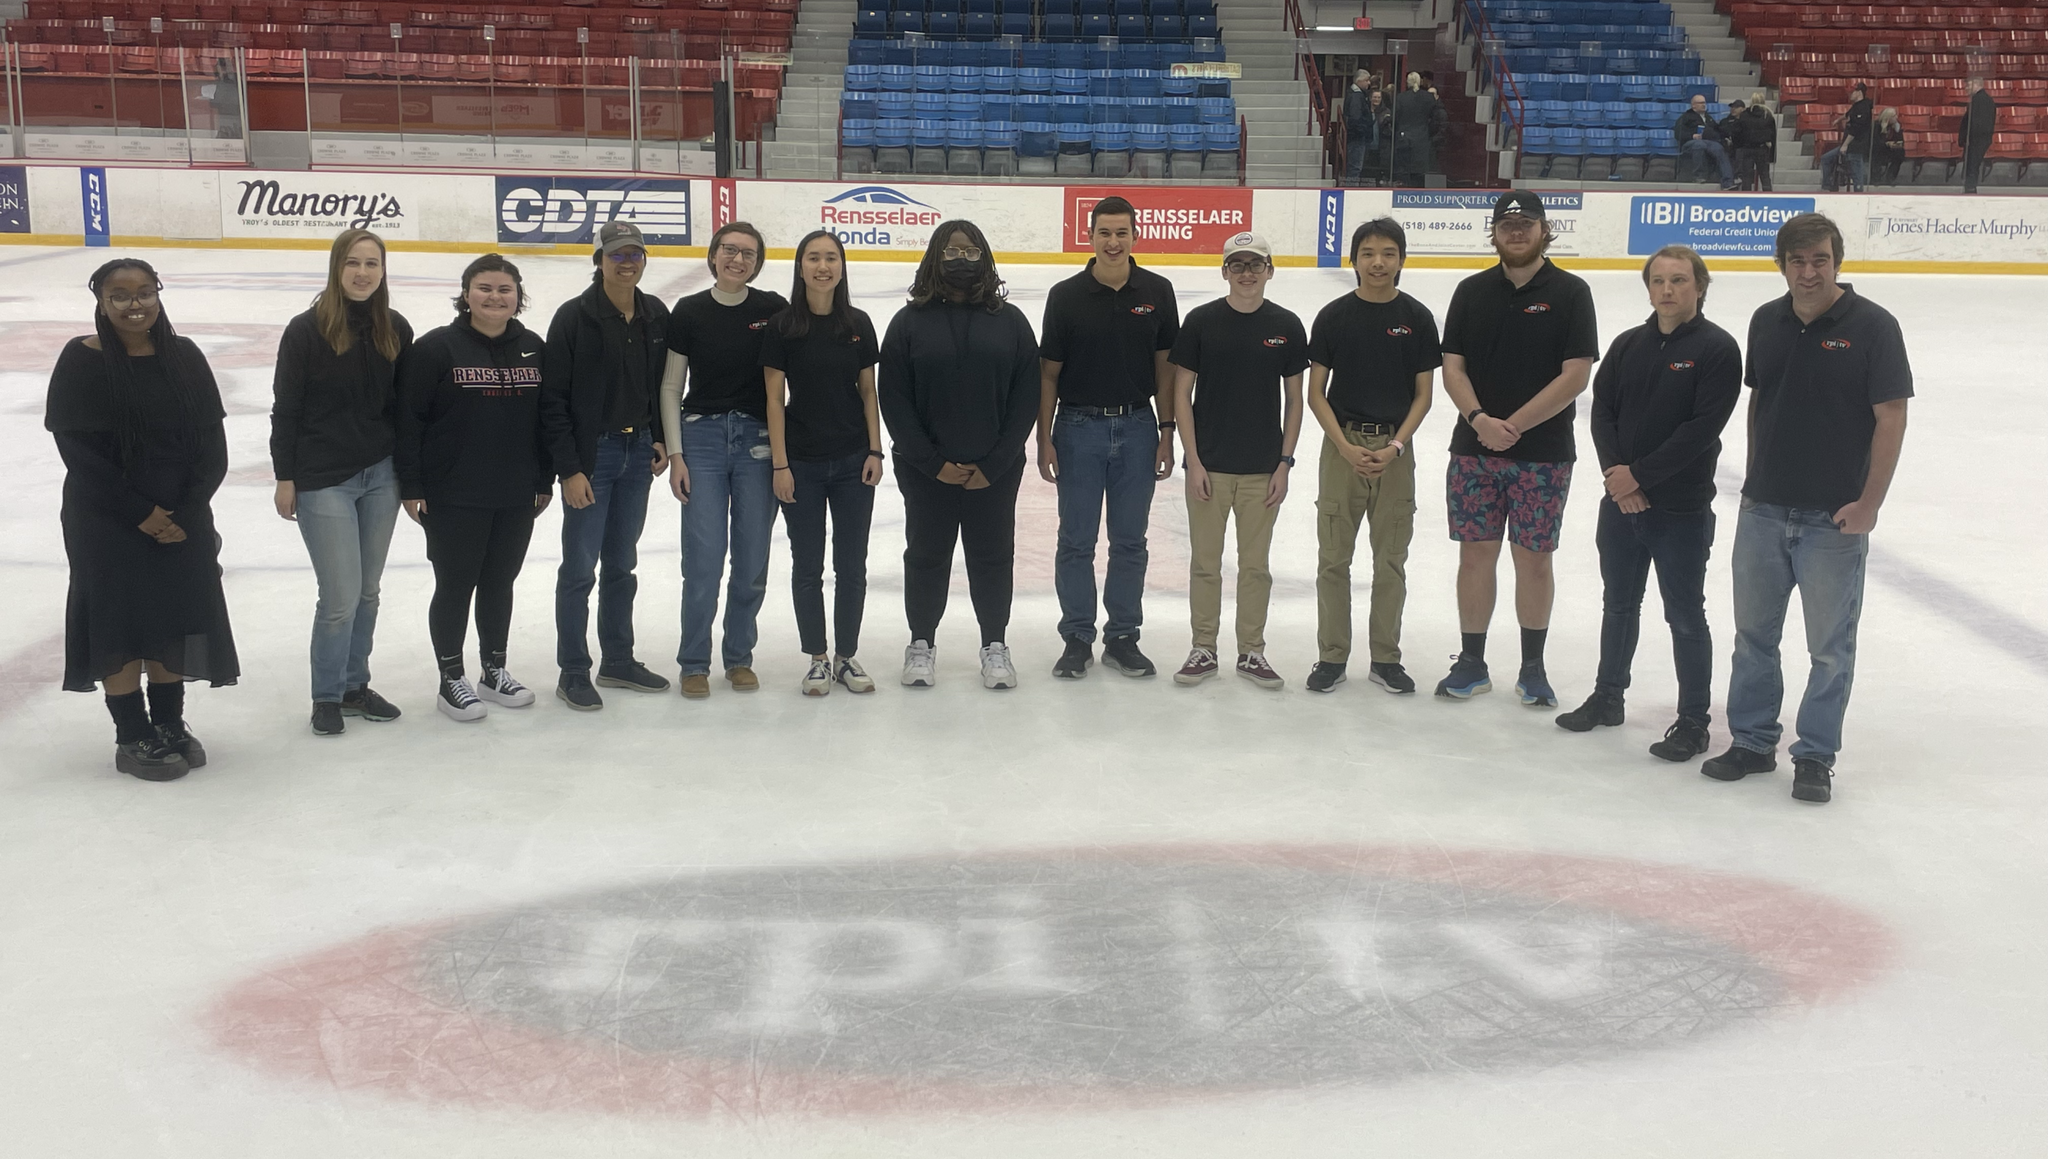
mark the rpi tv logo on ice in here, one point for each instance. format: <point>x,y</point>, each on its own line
<point>1715,226</point>
<point>874,216</point>
<point>570,210</point>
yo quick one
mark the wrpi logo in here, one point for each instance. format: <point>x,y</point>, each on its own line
<point>1082,977</point>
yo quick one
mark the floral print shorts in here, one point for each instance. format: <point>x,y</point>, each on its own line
<point>1488,497</point>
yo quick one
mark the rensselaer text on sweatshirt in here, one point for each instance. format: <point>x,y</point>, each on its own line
<point>469,418</point>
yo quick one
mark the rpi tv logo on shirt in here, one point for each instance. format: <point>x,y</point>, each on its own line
<point>1715,226</point>
<point>570,210</point>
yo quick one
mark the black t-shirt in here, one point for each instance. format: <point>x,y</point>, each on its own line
<point>1239,360</point>
<point>1105,339</point>
<point>1514,342</point>
<point>1815,384</point>
<point>723,344</point>
<point>824,417</point>
<point>1374,350</point>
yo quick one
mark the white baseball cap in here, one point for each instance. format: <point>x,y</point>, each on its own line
<point>1247,243</point>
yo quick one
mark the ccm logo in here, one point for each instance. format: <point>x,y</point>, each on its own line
<point>1538,308</point>
<point>1145,309</point>
<point>1835,344</point>
<point>1681,366</point>
<point>1398,331</point>
<point>757,325</point>
<point>1276,341</point>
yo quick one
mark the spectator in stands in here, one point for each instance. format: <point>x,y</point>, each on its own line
<point>1727,126</point>
<point>1891,148</point>
<point>1856,145</point>
<point>1979,121</point>
<point>1700,135</point>
<point>1418,123</point>
<point>1756,145</point>
<point>1361,127</point>
<point>1383,128</point>
<point>226,96</point>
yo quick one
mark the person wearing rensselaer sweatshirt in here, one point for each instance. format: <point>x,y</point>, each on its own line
<point>600,375</point>
<point>1663,394</point>
<point>472,470</point>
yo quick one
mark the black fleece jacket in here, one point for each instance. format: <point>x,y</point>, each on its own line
<point>578,370</point>
<point>1660,403</point>
<point>469,418</point>
<point>333,415</point>
<point>959,385</point>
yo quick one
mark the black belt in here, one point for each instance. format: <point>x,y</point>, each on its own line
<point>634,429</point>
<point>1371,428</point>
<point>1108,412</point>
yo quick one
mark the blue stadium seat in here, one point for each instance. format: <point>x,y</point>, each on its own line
<point>1168,28</point>
<point>863,78</point>
<point>1603,88</point>
<point>1132,27</point>
<point>1536,139</point>
<point>979,26</point>
<point>1014,24</point>
<point>1093,7</point>
<point>898,78</point>
<point>871,22</point>
<point>943,22</point>
<point>988,6</point>
<point>901,21</point>
<point>1097,24</point>
<point>1567,141</point>
<point>1128,7</point>
<point>1201,24</point>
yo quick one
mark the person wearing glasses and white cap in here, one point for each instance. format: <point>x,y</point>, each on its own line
<point>720,465</point>
<point>1238,363</point>
<point>599,376</point>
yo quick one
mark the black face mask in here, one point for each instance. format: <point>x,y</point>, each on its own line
<point>960,273</point>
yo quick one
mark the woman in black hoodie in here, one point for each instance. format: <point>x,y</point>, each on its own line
<point>959,389</point>
<point>472,471</point>
<point>333,426</point>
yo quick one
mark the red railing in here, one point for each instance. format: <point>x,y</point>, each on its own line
<point>1508,102</point>
<point>1318,99</point>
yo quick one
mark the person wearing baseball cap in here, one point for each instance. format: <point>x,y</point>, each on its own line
<point>1237,372</point>
<point>599,375</point>
<point>1519,344</point>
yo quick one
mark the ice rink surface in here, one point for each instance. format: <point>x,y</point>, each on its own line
<point>1105,918</point>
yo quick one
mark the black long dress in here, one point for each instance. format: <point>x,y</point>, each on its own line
<point>131,597</point>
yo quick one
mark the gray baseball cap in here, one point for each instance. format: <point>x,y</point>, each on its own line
<point>618,235</point>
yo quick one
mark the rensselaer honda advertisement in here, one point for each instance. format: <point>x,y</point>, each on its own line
<point>1169,220</point>
<point>318,204</point>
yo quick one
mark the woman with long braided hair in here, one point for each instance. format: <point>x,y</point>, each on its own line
<point>138,420</point>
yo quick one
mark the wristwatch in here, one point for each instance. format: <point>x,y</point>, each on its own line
<point>1287,459</point>
<point>1477,410</point>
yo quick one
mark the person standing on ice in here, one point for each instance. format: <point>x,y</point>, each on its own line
<point>1828,379</point>
<point>138,421</point>
<point>600,377</point>
<point>333,429</point>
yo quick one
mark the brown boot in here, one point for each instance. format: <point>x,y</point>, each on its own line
<point>743,679</point>
<point>696,686</point>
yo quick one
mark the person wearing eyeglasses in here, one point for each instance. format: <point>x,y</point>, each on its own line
<point>1237,364</point>
<point>716,434</point>
<point>600,373</point>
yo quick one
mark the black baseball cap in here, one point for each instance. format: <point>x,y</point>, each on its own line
<point>1519,201</point>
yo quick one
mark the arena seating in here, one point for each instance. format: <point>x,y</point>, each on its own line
<point>1017,87</point>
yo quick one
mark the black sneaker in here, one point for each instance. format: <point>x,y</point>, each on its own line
<point>1122,655</point>
<point>180,740</point>
<point>1073,663</point>
<point>365,702</point>
<point>629,674</point>
<point>574,690</point>
<point>1325,676</point>
<point>150,760</point>
<point>1812,781</point>
<point>1739,762</point>
<point>1683,741</point>
<point>327,718</point>
<point>1604,707</point>
<point>1392,677</point>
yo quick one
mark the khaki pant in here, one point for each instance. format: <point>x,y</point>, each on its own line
<point>1245,497</point>
<point>1388,504</point>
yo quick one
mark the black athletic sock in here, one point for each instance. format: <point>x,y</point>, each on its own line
<point>166,702</point>
<point>1532,645</point>
<point>1474,646</point>
<point>131,717</point>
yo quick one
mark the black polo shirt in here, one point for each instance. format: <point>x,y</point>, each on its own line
<point>1105,339</point>
<point>1373,351</point>
<point>1809,442</point>
<point>628,402</point>
<point>1240,362</point>
<point>1660,403</point>
<point>1515,341</point>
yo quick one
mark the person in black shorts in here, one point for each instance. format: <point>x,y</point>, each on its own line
<point>1373,355</point>
<point>1520,341</point>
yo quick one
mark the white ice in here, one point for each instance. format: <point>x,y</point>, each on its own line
<point>133,908</point>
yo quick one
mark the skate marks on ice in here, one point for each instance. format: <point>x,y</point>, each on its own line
<point>1066,978</point>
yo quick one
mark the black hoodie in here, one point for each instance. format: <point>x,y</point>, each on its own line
<point>1660,402</point>
<point>469,418</point>
<point>333,415</point>
<point>584,355</point>
<point>959,385</point>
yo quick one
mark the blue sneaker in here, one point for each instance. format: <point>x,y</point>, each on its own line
<point>1533,686</point>
<point>1468,679</point>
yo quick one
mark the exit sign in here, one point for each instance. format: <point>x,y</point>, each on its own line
<point>1361,24</point>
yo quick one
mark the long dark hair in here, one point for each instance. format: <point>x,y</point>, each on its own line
<point>794,320</point>
<point>928,287</point>
<point>114,353</point>
<point>330,309</point>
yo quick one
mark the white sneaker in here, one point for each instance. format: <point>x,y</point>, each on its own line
<point>457,700</point>
<point>920,664</point>
<point>498,687</point>
<point>996,669</point>
<point>853,676</point>
<point>818,681</point>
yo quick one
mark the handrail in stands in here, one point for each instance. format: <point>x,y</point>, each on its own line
<point>1318,99</point>
<point>1508,102</point>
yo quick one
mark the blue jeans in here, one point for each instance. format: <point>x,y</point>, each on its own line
<point>1355,152</point>
<point>1859,168</point>
<point>1676,543</point>
<point>832,485</point>
<point>731,485</point>
<point>1778,549</point>
<point>609,531</point>
<point>347,529</point>
<point>1103,460</point>
<point>1713,149</point>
